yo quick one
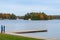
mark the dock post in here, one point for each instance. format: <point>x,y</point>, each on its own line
<point>2,29</point>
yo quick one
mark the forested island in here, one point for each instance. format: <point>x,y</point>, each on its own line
<point>30,16</point>
<point>36,16</point>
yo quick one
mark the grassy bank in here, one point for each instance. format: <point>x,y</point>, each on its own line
<point>13,37</point>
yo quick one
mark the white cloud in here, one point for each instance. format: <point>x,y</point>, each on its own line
<point>37,7</point>
<point>22,9</point>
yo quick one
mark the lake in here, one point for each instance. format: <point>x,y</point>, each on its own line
<point>53,27</point>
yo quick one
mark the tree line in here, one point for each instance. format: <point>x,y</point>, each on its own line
<point>31,15</point>
<point>36,16</point>
<point>7,16</point>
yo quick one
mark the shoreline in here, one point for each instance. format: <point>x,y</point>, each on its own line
<point>23,35</point>
<point>32,36</point>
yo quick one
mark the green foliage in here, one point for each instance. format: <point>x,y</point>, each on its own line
<point>12,37</point>
<point>12,16</point>
<point>7,16</point>
<point>36,16</point>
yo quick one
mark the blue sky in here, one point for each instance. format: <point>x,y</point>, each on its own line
<point>21,7</point>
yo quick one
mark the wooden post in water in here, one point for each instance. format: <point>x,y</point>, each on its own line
<point>2,29</point>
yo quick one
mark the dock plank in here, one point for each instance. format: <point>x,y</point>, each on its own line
<point>30,31</point>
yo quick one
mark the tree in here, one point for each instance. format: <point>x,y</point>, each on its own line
<point>36,16</point>
<point>12,16</point>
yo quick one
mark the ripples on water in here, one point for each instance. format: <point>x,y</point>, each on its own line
<point>53,27</point>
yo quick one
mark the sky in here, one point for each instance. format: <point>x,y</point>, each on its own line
<point>21,7</point>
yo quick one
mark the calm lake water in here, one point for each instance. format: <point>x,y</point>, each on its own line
<point>53,27</point>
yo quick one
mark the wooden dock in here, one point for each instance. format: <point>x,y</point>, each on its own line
<point>30,31</point>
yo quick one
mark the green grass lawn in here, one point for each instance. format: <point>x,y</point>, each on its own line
<point>13,37</point>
